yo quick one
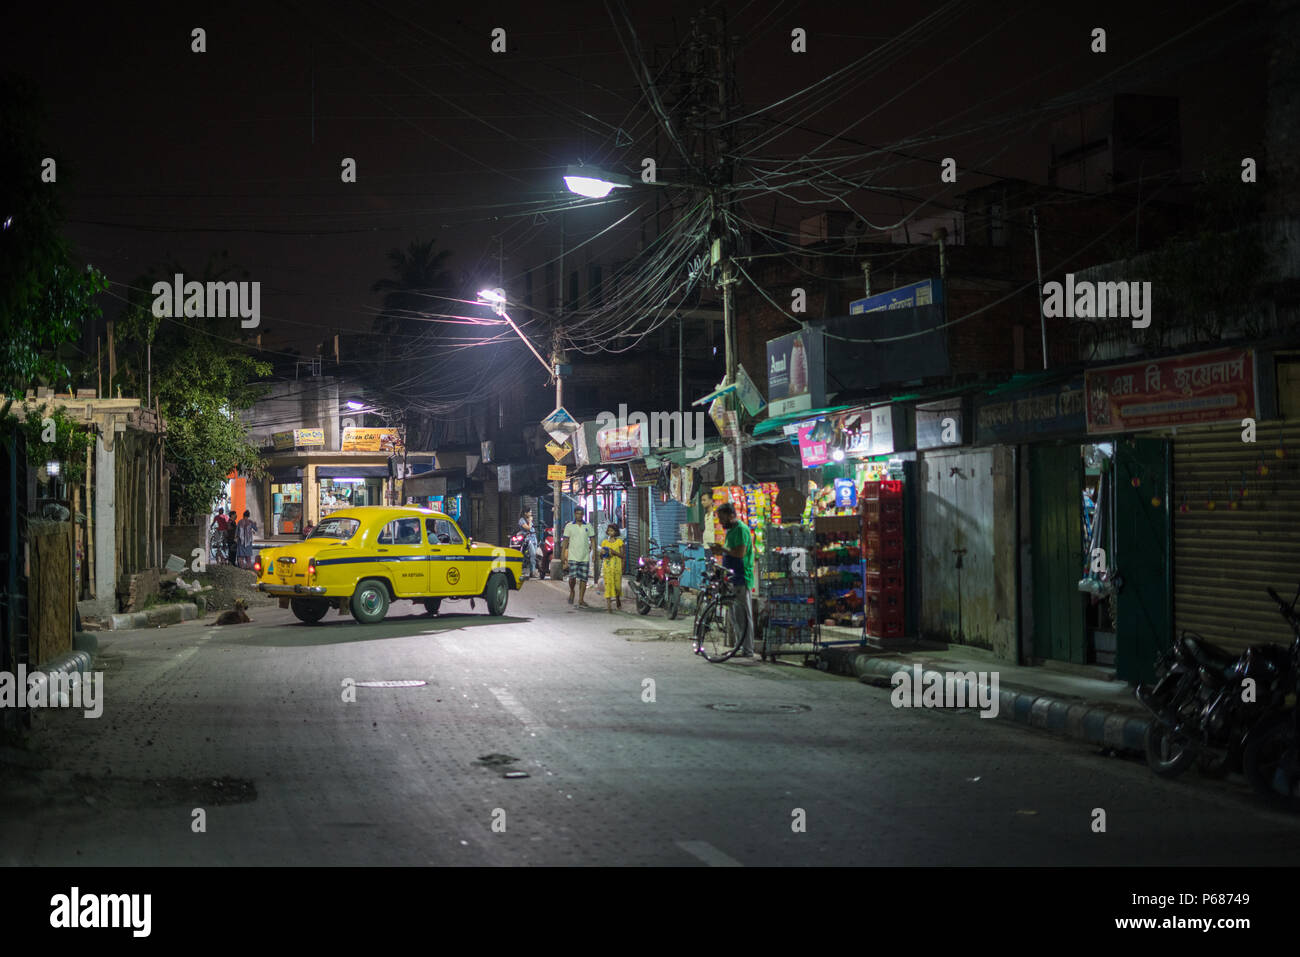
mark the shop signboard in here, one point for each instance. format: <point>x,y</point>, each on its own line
<point>812,453</point>
<point>556,473</point>
<point>1198,389</point>
<point>621,443</point>
<point>370,440</point>
<point>927,292</point>
<point>750,397</point>
<point>796,373</point>
<point>1047,412</point>
<point>504,478</point>
<point>941,424</point>
<point>642,475</point>
<point>298,438</point>
<point>869,431</point>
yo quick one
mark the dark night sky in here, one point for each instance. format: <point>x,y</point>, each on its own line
<point>163,151</point>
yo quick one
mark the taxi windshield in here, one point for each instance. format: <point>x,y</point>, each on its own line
<point>340,528</point>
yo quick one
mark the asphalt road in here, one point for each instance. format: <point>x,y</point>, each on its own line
<point>628,756</point>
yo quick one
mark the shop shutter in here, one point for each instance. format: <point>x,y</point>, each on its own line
<point>666,519</point>
<point>635,548</point>
<point>1224,558</point>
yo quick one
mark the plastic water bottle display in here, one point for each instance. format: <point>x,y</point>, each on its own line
<point>798,368</point>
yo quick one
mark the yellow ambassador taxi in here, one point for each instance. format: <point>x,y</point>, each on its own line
<point>362,559</point>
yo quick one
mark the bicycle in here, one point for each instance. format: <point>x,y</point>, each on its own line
<point>715,639</point>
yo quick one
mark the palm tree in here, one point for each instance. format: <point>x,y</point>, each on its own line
<point>420,274</point>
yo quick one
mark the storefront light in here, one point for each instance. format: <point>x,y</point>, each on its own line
<point>837,455</point>
<point>52,468</point>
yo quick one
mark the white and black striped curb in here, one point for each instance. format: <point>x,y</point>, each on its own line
<point>1104,727</point>
<point>76,662</point>
<point>155,617</point>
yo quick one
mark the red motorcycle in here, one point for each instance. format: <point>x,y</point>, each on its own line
<point>658,581</point>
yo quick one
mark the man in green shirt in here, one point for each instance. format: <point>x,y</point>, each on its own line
<point>738,557</point>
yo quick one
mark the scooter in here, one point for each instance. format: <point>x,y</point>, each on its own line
<point>658,581</point>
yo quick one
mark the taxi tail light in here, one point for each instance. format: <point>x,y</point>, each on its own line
<point>257,565</point>
<point>311,567</point>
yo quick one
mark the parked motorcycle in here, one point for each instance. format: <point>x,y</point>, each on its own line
<point>1211,708</point>
<point>542,550</point>
<point>1271,760</point>
<point>658,580</point>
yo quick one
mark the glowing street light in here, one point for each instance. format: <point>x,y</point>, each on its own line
<point>497,298</point>
<point>593,182</point>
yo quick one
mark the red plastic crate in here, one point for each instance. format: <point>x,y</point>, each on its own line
<point>884,490</point>
<point>878,563</point>
<point>884,627</point>
<point>886,602</point>
<point>882,506</point>
<point>880,581</point>
<point>887,525</point>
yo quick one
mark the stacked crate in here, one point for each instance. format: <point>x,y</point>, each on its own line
<point>882,552</point>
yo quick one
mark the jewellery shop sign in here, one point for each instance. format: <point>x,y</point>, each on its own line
<point>1198,389</point>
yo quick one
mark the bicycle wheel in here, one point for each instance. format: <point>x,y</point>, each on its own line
<point>714,639</point>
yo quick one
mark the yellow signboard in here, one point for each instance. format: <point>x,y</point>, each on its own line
<point>556,473</point>
<point>296,438</point>
<point>557,450</point>
<point>371,440</point>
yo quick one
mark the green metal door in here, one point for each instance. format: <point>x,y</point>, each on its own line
<point>1142,625</point>
<point>1056,503</point>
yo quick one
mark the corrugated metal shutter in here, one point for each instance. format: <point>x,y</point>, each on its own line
<point>636,500</point>
<point>1224,558</point>
<point>666,519</point>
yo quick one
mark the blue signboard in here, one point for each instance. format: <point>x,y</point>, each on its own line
<point>927,292</point>
<point>1052,411</point>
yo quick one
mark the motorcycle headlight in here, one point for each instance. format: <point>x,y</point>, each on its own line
<point>675,568</point>
<point>641,561</point>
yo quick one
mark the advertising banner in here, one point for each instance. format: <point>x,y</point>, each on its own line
<point>812,453</point>
<point>295,438</point>
<point>642,475</point>
<point>1197,389</point>
<point>556,473</point>
<point>370,440</point>
<point>558,451</point>
<point>796,373</point>
<point>621,444</point>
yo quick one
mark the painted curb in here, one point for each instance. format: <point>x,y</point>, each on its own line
<point>74,664</point>
<point>1071,719</point>
<point>154,617</point>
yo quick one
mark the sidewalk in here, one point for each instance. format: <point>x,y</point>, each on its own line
<point>1077,705</point>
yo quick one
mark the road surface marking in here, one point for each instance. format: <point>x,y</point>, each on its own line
<point>708,854</point>
<point>530,723</point>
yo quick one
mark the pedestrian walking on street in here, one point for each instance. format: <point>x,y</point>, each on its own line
<point>611,554</point>
<point>530,543</point>
<point>232,537</point>
<point>738,558</point>
<point>578,536</point>
<point>245,531</point>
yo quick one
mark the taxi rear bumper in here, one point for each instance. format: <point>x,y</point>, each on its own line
<point>273,589</point>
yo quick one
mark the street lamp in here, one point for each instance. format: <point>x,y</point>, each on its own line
<point>593,182</point>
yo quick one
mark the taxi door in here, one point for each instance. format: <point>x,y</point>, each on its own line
<point>401,551</point>
<point>451,572</point>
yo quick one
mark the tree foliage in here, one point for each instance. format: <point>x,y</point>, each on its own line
<point>203,377</point>
<point>44,296</point>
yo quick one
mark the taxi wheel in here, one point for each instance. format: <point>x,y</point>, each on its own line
<point>431,605</point>
<point>370,601</point>
<point>309,610</point>
<point>497,594</point>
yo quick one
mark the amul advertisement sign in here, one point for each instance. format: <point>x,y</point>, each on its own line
<point>796,373</point>
<point>1197,389</point>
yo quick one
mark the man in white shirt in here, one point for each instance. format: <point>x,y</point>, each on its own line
<point>577,554</point>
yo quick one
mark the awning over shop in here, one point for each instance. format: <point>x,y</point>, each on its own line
<point>773,425</point>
